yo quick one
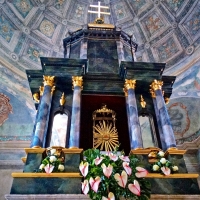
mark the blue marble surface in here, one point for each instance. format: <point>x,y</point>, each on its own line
<point>174,186</point>
<point>159,124</point>
<point>33,162</point>
<point>75,118</point>
<point>72,162</point>
<point>178,160</point>
<point>136,135</point>
<point>168,134</point>
<point>46,186</point>
<point>42,119</point>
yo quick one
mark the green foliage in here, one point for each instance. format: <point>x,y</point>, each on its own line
<point>110,184</point>
<point>52,163</point>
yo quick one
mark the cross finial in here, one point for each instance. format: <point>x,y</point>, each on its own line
<point>99,9</point>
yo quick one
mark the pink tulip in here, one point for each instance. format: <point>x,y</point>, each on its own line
<point>134,188</point>
<point>166,170</point>
<point>84,168</point>
<point>107,170</point>
<point>121,180</point>
<point>112,156</point>
<point>85,187</point>
<point>141,172</point>
<point>98,160</point>
<point>127,168</point>
<point>94,183</point>
<point>111,196</point>
<point>124,158</point>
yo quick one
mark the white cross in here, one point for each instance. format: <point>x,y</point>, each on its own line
<point>99,9</point>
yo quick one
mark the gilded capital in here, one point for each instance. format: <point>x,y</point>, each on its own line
<point>129,84</point>
<point>77,81</point>
<point>48,80</point>
<point>156,85</point>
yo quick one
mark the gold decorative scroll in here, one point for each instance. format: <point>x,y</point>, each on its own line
<point>62,99</point>
<point>129,84</point>
<point>53,89</point>
<point>48,80</point>
<point>143,102</point>
<point>36,97</point>
<point>125,91</point>
<point>105,135</point>
<point>77,81</point>
<point>167,99</point>
<point>153,95</point>
<point>41,89</point>
<point>156,85</point>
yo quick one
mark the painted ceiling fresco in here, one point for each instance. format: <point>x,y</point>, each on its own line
<point>165,30</point>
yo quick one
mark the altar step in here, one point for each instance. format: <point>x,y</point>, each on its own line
<point>83,197</point>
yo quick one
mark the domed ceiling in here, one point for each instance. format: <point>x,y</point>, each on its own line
<point>165,30</point>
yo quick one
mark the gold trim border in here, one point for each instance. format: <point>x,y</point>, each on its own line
<point>45,175</point>
<point>72,150</point>
<point>176,151</point>
<point>146,151</point>
<point>178,175</point>
<point>34,150</point>
<point>78,175</point>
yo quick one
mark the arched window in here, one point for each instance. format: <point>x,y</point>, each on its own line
<point>59,129</point>
<point>148,130</point>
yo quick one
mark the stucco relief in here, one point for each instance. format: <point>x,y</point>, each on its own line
<point>5,108</point>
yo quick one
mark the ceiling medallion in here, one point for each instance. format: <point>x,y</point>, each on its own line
<point>24,6</point>
<point>190,50</point>
<point>26,30</point>
<point>47,28</point>
<point>14,57</point>
<point>5,108</point>
<point>105,136</point>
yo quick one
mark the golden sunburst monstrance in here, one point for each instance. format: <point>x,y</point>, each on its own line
<point>105,136</point>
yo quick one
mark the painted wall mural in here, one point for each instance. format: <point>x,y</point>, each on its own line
<point>184,105</point>
<point>15,96</point>
<point>5,108</point>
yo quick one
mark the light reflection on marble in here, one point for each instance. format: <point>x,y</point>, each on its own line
<point>59,130</point>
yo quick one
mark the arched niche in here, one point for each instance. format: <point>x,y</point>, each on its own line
<point>60,128</point>
<point>148,131</point>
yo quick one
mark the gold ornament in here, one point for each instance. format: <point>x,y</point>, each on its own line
<point>62,99</point>
<point>48,80</point>
<point>36,97</point>
<point>77,81</point>
<point>41,89</point>
<point>156,85</point>
<point>129,84</point>
<point>143,102</point>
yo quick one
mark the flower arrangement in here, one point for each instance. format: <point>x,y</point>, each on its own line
<point>109,176</point>
<point>51,163</point>
<point>163,165</point>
